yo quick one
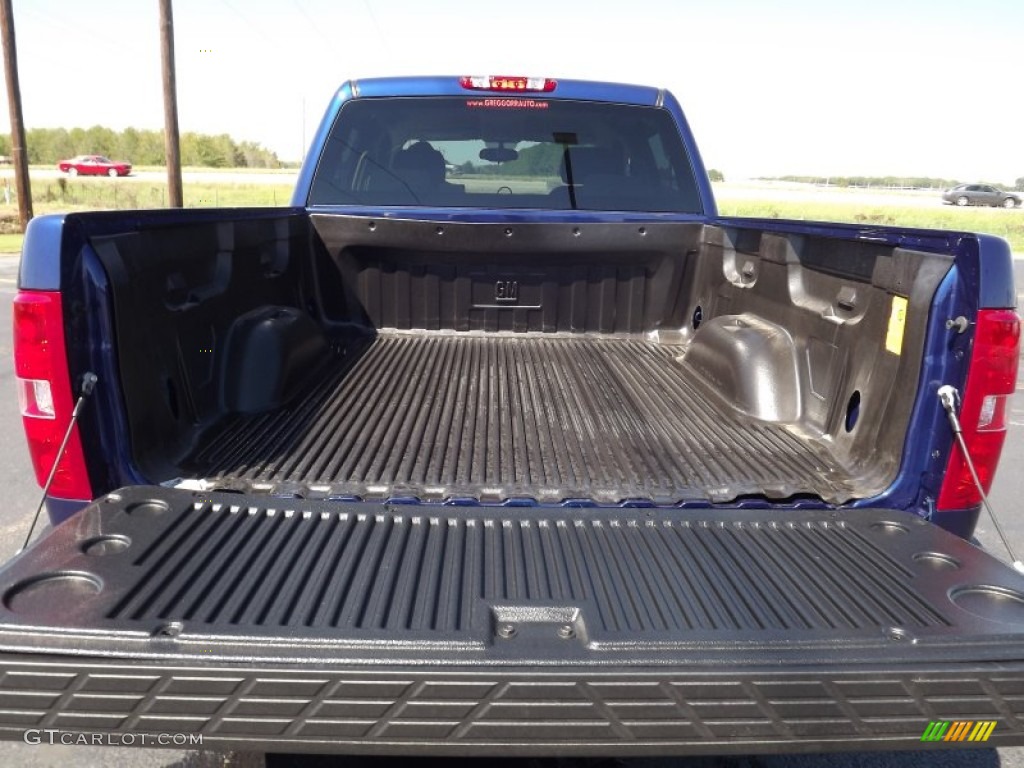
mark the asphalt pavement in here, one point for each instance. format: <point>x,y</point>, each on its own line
<point>22,494</point>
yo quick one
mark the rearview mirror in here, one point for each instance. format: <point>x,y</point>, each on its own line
<point>498,154</point>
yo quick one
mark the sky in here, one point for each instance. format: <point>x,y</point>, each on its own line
<point>867,87</point>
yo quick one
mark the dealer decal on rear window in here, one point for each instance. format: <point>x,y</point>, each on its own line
<point>507,103</point>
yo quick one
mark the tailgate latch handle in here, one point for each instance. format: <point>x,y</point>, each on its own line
<point>88,384</point>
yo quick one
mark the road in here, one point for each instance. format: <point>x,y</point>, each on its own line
<point>22,496</point>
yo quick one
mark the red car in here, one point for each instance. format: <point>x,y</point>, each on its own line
<point>94,165</point>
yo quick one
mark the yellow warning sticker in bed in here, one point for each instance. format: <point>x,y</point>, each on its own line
<point>897,324</point>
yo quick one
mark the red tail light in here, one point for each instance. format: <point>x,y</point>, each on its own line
<point>44,392</point>
<point>991,379</point>
<point>506,83</point>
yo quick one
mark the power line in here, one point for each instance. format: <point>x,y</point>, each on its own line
<point>86,33</point>
<point>248,21</point>
<point>317,28</point>
<point>376,26</point>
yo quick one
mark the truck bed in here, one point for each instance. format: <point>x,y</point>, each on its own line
<point>350,357</point>
<point>441,416</point>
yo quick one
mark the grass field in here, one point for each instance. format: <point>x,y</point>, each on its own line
<point>994,221</point>
<point>203,169</point>
<point>65,195</point>
<point>10,243</point>
<point>62,194</point>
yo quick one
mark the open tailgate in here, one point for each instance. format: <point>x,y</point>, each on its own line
<point>285,624</point>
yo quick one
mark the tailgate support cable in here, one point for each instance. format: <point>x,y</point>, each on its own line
<point>950,398</point>
<point>88,384</point>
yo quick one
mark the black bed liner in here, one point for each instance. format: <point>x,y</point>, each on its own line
<point>325,626</point>
<point>491,417</point>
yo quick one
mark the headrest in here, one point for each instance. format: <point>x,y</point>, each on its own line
<point>591,161</point>
<point>421,159</point>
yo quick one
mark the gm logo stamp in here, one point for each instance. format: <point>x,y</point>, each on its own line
<point>494,289</point>
<point>958,730</point>
<point>506,291</point>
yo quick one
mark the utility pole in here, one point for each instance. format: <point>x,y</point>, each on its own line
<point>172,147</point>
<point>19,155</point>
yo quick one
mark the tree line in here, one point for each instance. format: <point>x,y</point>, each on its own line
<point>911,182</point>
<point>141,147</point>
<point>538,160</point>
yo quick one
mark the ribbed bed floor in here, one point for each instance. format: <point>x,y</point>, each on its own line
<point>445,416</point>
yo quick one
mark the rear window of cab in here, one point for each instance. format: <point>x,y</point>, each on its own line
<point>505,152</point>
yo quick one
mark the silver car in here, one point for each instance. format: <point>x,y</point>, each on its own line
<point>980,194</point>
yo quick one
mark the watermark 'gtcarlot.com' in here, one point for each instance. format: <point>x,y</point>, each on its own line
<point>83,739</point>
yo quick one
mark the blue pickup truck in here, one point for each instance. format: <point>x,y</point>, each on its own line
<point>501,441</point>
